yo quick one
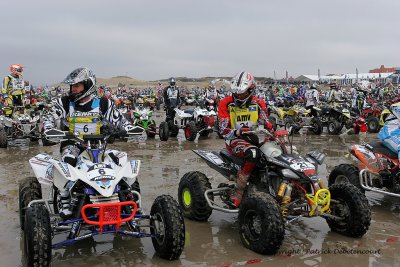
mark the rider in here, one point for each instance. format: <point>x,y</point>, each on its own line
<point>236,114</point>
<point>13,85</point>
<point>334,93</point>
<point>171,99</point>
<point>312,98</point>
<point>84,113</point>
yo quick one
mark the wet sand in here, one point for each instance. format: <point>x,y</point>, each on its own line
<point>308,242</point>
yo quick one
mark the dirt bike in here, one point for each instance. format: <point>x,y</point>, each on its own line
<point>283,187</point>
<point>19,129</point>
<point>104,198</point>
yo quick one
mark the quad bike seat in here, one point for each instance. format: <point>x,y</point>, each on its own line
<point>189,111</point>
<point>226,155</point>
<point>378,147</point>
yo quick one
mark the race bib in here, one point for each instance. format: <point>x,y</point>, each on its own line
<point>243,117</point>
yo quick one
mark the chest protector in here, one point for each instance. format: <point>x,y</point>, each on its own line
<point>85,123</point>
<point>243,117</point>
<point>15,86</point>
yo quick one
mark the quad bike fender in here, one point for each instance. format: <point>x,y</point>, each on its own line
<point>51,171</point>
<point>129,171</point>
<point>366,156</point>
<point>181,114</point>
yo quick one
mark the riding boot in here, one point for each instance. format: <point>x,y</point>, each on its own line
<point>241,184</point>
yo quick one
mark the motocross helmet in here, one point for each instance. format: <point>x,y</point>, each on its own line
<point>172,81</point>
<point>16,70</point>
<point>314,86</point>
<point>84,76</point>
<point>242,87</point>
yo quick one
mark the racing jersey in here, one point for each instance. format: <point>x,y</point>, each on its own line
<point>171,96</point>
<point>86,118</point>
<point>232,118</point>
<point>311,97</point>
<point>13,86</point>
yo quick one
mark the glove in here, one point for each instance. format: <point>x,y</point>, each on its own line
<point>244,131</point>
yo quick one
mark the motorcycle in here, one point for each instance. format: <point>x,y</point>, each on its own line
<point>104,196</point>
<point>283,187</point>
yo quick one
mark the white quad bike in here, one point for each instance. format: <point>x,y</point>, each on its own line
<point>19,129</point>
<point>192,121</point>
<point>104,199</point>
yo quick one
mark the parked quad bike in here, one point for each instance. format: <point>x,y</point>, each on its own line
<point>287,117</point>
<point>372,114</point>
<point>20,128</point>
<point>143,117</point>
<point>334,117</point>
<point>104,196</point>
<point>379,172</point>
<point>282,188</point>
<point>193,121</point>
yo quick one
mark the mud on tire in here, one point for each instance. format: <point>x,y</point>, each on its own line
<point>191,196</point>
<point>345,173</point>
<point>334,127</point>
<point>29,189</point>
<point>163,131</point>
<point>3,138</point>
<point>353,207</point>
<point>168,218</point>
<point>37,236</point>
<point>261,226</point>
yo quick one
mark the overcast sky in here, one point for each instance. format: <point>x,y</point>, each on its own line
<point>152,40</point>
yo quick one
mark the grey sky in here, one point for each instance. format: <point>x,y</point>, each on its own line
<point>157,39</point>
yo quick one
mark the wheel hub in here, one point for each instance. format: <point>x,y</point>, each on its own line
<point>187,197</point>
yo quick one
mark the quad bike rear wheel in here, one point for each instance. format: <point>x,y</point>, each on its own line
<point>29,189</point>
<point>190,131</point>
<point>37,236</point>
<point>261,227</point>
<point>153,129</point>
<point>345,173</point>
<point>167,222</point>
<point>3,138</point>
<point>191,196</point>
<point>348,203</point>
<point>373,124</point>
<point>163,131</point>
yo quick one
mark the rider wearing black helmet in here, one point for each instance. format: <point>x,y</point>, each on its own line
<point>171,99</point>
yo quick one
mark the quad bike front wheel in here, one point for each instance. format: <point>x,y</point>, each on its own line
<point>190,131</point>
<point>167,222</point>
<point>261,227</point>
<point>37,236</point>
<point>29,189</point>
<point>163,131</point>
<point>345,173</point>
<point>316,126</point>
<point>191,197</point>
<point>3,138</point>
<point>351,206</point>
<point>334,127</point>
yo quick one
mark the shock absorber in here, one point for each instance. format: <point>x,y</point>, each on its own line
<point>285,191</point>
